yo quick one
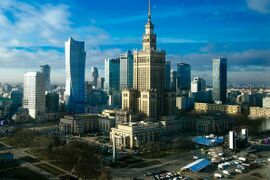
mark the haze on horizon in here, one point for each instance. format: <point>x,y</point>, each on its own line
<point>33,33</point>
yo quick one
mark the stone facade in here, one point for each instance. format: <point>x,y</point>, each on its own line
<point>213,124</point>
<point>135,135</point>
<point>217,108</point>
<point>259,112</point>
<point>80,124</point>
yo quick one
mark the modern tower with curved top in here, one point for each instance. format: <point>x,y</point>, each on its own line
<point>75,55</point>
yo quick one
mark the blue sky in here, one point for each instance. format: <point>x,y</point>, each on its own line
<point>193,31</point>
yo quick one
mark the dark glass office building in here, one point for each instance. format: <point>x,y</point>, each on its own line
<point>219,79</point>
<point>183,77</point>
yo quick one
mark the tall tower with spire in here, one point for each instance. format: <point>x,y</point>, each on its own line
<point>148,77</point>
<point>149,37</point>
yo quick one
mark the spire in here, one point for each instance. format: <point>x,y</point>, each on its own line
<point>149,10</point>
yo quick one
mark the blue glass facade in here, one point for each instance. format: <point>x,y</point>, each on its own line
<point>75,75</point>
<point>183,77</point>
<point>112,75</point>
<point>126,70</point>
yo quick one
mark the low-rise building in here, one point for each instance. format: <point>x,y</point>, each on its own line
<point>217,108</point>
<point>105,125</point>
<point>80,124</point>
<point>259,112</point>
<point>135,135</point>
<point>216,124</point>
<point>175,126</point>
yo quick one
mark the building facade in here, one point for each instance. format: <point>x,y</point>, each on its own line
<point>217,108</point>
<point>34,94</point>
<point>266,102</point>
<point>183,78</point>
<point>80,124</point>
<point>135,135</point>
<point>197,85</point>
<point>148,77</point>
<point>17,98</point>
<point>101,81</point>
<point>213,124</point>
<point>259,112</point>
<point>75,96</point>
<point>94,76</point>
<point>173,80</point>
<point>112,75</point>
<point>52,102</point>
<point>126,70</point>
<point>168,75</point>
<point>219,79</point>
<point>46,70</point>
<point>5,108</point>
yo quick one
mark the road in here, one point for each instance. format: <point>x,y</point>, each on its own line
<point>171,164</point>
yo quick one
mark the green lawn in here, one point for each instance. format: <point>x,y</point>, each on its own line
<point>21,173</point>
<point>50,169</point>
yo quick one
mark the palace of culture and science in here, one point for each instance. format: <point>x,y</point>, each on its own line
<point>148,96</point>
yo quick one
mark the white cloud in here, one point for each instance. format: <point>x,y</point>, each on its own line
<point>41,25</point>
<point>26,28</point>
<point>262,6</point>
<point>23,58</point>
<point>252,60</point>
<point>178,40</point>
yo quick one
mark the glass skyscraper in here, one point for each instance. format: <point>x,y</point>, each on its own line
<point>126,70</point>
<point>219,79</point>
<point>94,76</point>
<point>173,80</point>
<point>46,70</point>
<point>183,77</point>
<point>75,75</point>
<point>112,75</point>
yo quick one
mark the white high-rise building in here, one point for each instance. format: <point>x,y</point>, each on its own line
<point>34,94</point>
<point>232,140</point>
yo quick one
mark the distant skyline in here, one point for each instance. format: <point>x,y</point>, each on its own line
<point>32,33</point>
